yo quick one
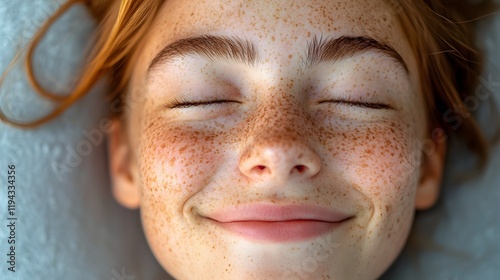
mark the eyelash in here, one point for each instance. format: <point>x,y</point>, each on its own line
<point>187,103</point>
<point>368,105</point>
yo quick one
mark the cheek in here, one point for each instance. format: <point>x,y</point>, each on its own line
<point>379,160</point>
<point>176,160</point>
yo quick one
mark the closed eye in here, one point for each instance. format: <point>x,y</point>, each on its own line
<point>187,103</point>
<point>369,105</point>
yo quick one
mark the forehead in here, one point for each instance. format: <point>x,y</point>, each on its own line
<point>278,29</point>
<point>278,23</point>
<point>263,16</point>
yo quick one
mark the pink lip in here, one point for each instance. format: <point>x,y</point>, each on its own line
<point>274,223</point>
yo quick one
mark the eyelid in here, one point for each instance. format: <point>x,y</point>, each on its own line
<point>184,103</point>
<point>363,104</point>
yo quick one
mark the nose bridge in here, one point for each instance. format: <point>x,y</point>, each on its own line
<point>282,119</point>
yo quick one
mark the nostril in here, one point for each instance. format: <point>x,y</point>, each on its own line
<point>261,170</point>
<point>301,168</point>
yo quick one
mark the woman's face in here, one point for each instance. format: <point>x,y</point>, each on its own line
<point>274,139</point>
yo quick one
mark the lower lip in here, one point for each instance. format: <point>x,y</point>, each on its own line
<point>279,231</point>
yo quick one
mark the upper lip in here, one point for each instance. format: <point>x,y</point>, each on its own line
<point>275,213</point>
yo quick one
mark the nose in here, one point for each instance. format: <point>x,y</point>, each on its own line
<point>279,158</point>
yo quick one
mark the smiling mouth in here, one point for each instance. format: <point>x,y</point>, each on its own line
<point>273,223</point>
<point>280,231</point>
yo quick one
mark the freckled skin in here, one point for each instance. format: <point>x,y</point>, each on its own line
<point>201,159</point>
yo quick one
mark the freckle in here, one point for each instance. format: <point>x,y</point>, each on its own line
<point>172,161</point>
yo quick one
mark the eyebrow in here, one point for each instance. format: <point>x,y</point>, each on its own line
<point>319,50</point>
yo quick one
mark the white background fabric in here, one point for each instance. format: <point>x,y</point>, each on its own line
<point>69,226</point>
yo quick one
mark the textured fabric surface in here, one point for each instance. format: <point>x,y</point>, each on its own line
<point>69,226</point>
